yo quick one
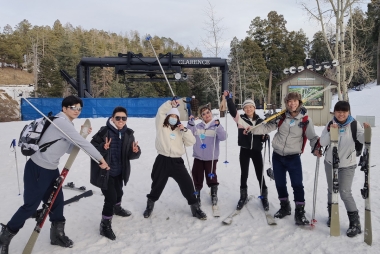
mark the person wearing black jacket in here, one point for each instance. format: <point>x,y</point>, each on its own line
<point>250,149</point>
<point>117,145</point>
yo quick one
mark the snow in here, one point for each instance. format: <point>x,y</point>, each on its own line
<point>171,228</point>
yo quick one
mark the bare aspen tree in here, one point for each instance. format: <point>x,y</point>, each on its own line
<point>213,44</point>
<point>335,13</point>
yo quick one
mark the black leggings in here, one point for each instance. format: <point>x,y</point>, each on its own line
<point>257,159</point>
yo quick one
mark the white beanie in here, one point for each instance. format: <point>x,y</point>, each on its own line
<point>193,96</point>
<point>173,111</point>
<point>249,102</point>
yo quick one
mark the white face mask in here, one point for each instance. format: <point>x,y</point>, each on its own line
<point>173,121</point>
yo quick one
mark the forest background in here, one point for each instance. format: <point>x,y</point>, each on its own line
<point>254,61</point>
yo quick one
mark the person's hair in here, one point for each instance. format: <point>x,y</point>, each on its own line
<point>167,124</point>
<point>342,106</point>
<point>71,100</point>
<point>119,109</point>
<point>203,108</point>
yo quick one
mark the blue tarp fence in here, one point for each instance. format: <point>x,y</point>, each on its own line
<point>93,107</point>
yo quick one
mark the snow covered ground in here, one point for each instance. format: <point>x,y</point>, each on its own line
<point>171,228</point>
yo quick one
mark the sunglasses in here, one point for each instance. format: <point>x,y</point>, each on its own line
<point>118,118</point>
<point>73,108</point>
<point>206,113</point>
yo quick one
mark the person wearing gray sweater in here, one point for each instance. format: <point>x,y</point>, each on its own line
<point>41,171</point>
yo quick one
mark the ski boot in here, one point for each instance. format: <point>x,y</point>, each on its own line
<point>106,229</point>
<point>214,193</point>
<point>284,210</point>
<point>197,212</point>
<point>6,236</point>
<point>355,227</point>
<point>243,198</point>
<point>120,211</point>
<point>299,215</point>
<point>57,235</point>
<point>264,199</point>
<point>149,208</point>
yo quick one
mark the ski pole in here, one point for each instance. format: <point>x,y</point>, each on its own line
<point>262,171</point>
<point>67,136</point>
<point>13,145</point>
<point>313,220</point>
<point>211,175</point>
<point>148,38</point>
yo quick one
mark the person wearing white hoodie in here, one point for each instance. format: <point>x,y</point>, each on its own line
<point>171,139</point>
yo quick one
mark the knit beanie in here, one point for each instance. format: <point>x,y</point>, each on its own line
<point>248,102</point>
<point>173,111</point>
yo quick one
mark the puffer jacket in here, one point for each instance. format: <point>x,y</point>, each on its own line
<point>98,141</point>
<point>249,141</point>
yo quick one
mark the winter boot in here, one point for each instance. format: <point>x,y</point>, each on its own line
<point>284,210</point>
<point>149,208</point>
<point>243,198</point>
<point>197,212</point>
<point>5,239</point>
<point>264,199</point>
<point>198,196</point>
<point>120,211</point>
<point>214,193</point>
<point>355,227</point>
<point>329,211</point>
<point>57,235</point>
<point>299,215</point>
<point>106,229</point>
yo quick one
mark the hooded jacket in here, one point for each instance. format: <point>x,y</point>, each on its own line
<point>170,143</point>
<point>127,154</point>
<point>212,135</point>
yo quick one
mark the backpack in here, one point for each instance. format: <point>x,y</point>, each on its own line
<point>31,135</point>
<point>354,129</point>
<point>303,124</point>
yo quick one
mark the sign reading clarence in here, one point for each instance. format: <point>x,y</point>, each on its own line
<point>194,61</point>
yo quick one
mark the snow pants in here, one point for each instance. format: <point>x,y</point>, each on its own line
<point>38,185</point>
<point>165,167</point>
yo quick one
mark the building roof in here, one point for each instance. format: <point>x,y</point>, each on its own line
<point>302,72</point>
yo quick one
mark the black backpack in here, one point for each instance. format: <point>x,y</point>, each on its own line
<point>354,129</point>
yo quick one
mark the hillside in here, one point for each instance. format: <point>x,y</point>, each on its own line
<point>10,76</point>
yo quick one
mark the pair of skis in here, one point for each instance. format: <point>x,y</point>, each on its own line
<point>270,220</point>
<point>57,187</point>
<point>365,166</point>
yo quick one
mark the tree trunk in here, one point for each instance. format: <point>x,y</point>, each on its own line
<point>378,60</point>
<point>269,87</point>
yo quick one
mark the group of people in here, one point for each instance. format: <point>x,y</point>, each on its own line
<point>114,145</point>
